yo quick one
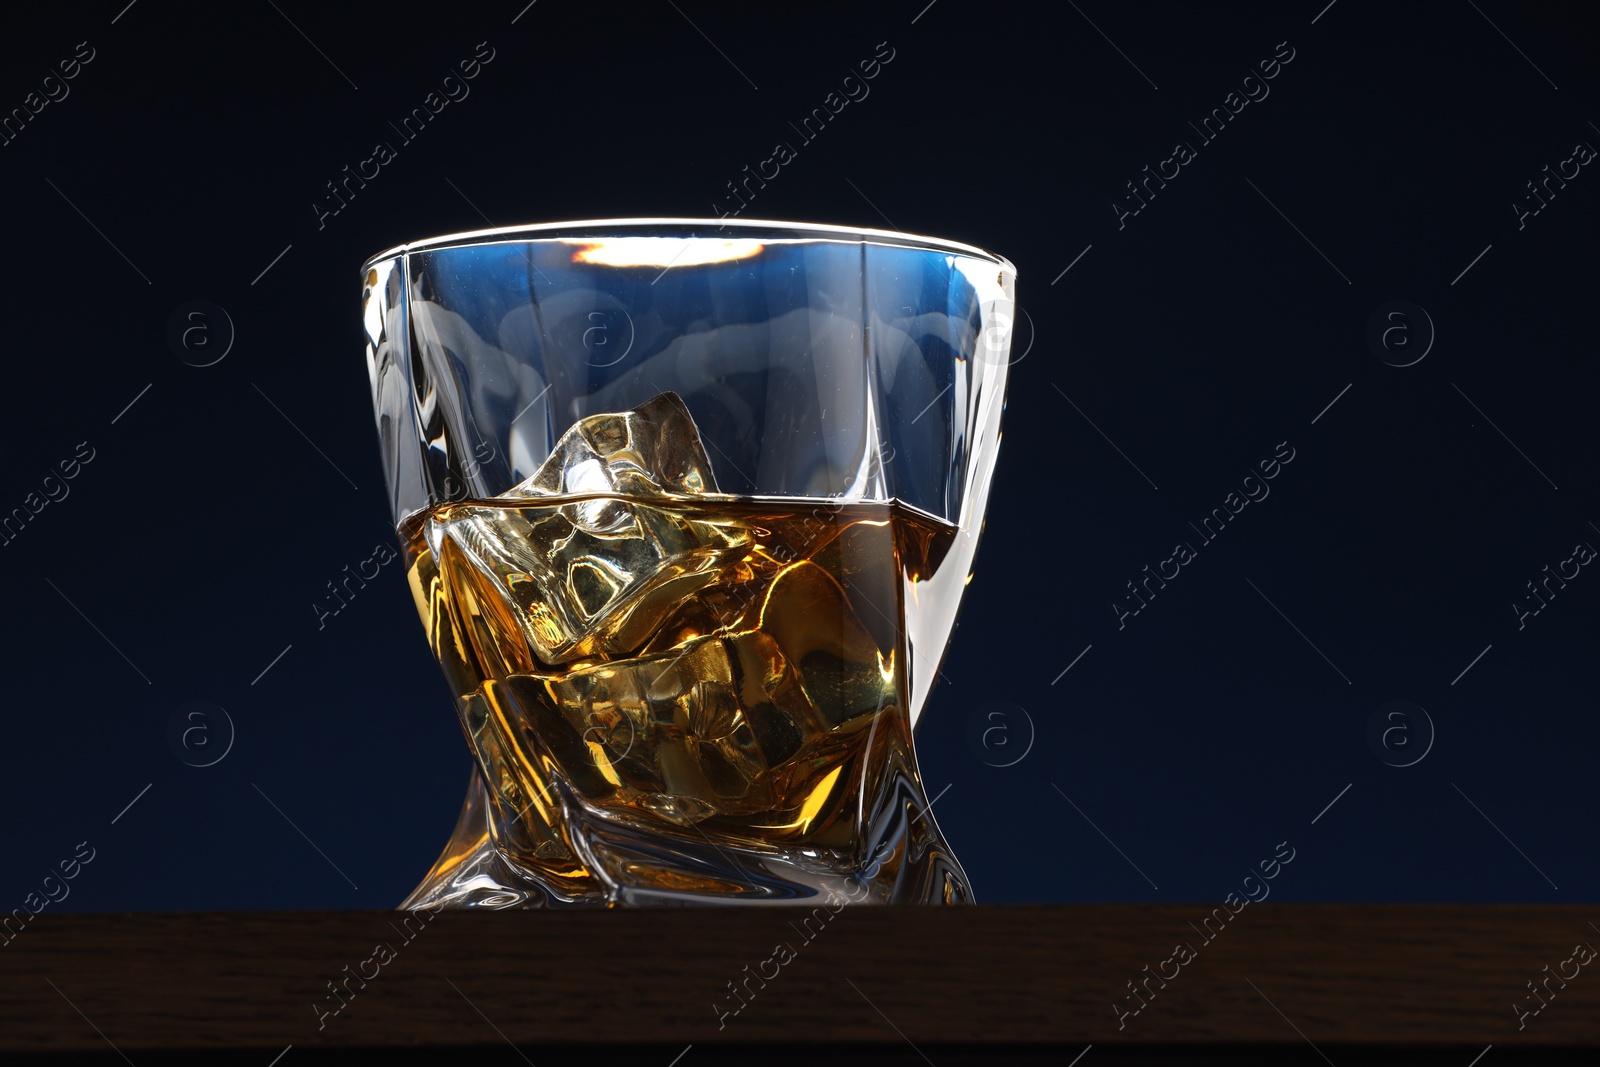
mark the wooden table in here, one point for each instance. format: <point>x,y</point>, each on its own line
<point>1299,984</point>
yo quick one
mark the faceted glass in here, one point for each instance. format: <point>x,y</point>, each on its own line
<point>688,508</point>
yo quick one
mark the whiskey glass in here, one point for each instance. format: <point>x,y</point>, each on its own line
<point>688,507</point>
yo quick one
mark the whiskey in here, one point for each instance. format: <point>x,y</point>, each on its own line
<point>732,668</point>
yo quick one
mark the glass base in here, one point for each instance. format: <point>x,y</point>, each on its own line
<point>902,859</point>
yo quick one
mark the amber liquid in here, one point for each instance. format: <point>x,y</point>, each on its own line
<point>731,665</point>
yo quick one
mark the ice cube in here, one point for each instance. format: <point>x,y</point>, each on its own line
<point>652,450</point>
<point>732,723</point>
<point>594,578</point>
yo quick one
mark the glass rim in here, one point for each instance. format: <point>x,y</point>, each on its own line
<point>607,228</point>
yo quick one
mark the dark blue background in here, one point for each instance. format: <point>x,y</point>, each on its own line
<point>1197,337</point>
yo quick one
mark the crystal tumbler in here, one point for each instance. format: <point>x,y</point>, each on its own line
<point>688,507</point>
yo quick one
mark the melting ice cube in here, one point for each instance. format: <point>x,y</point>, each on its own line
<point>653,449</point>
<point>593,578</point>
